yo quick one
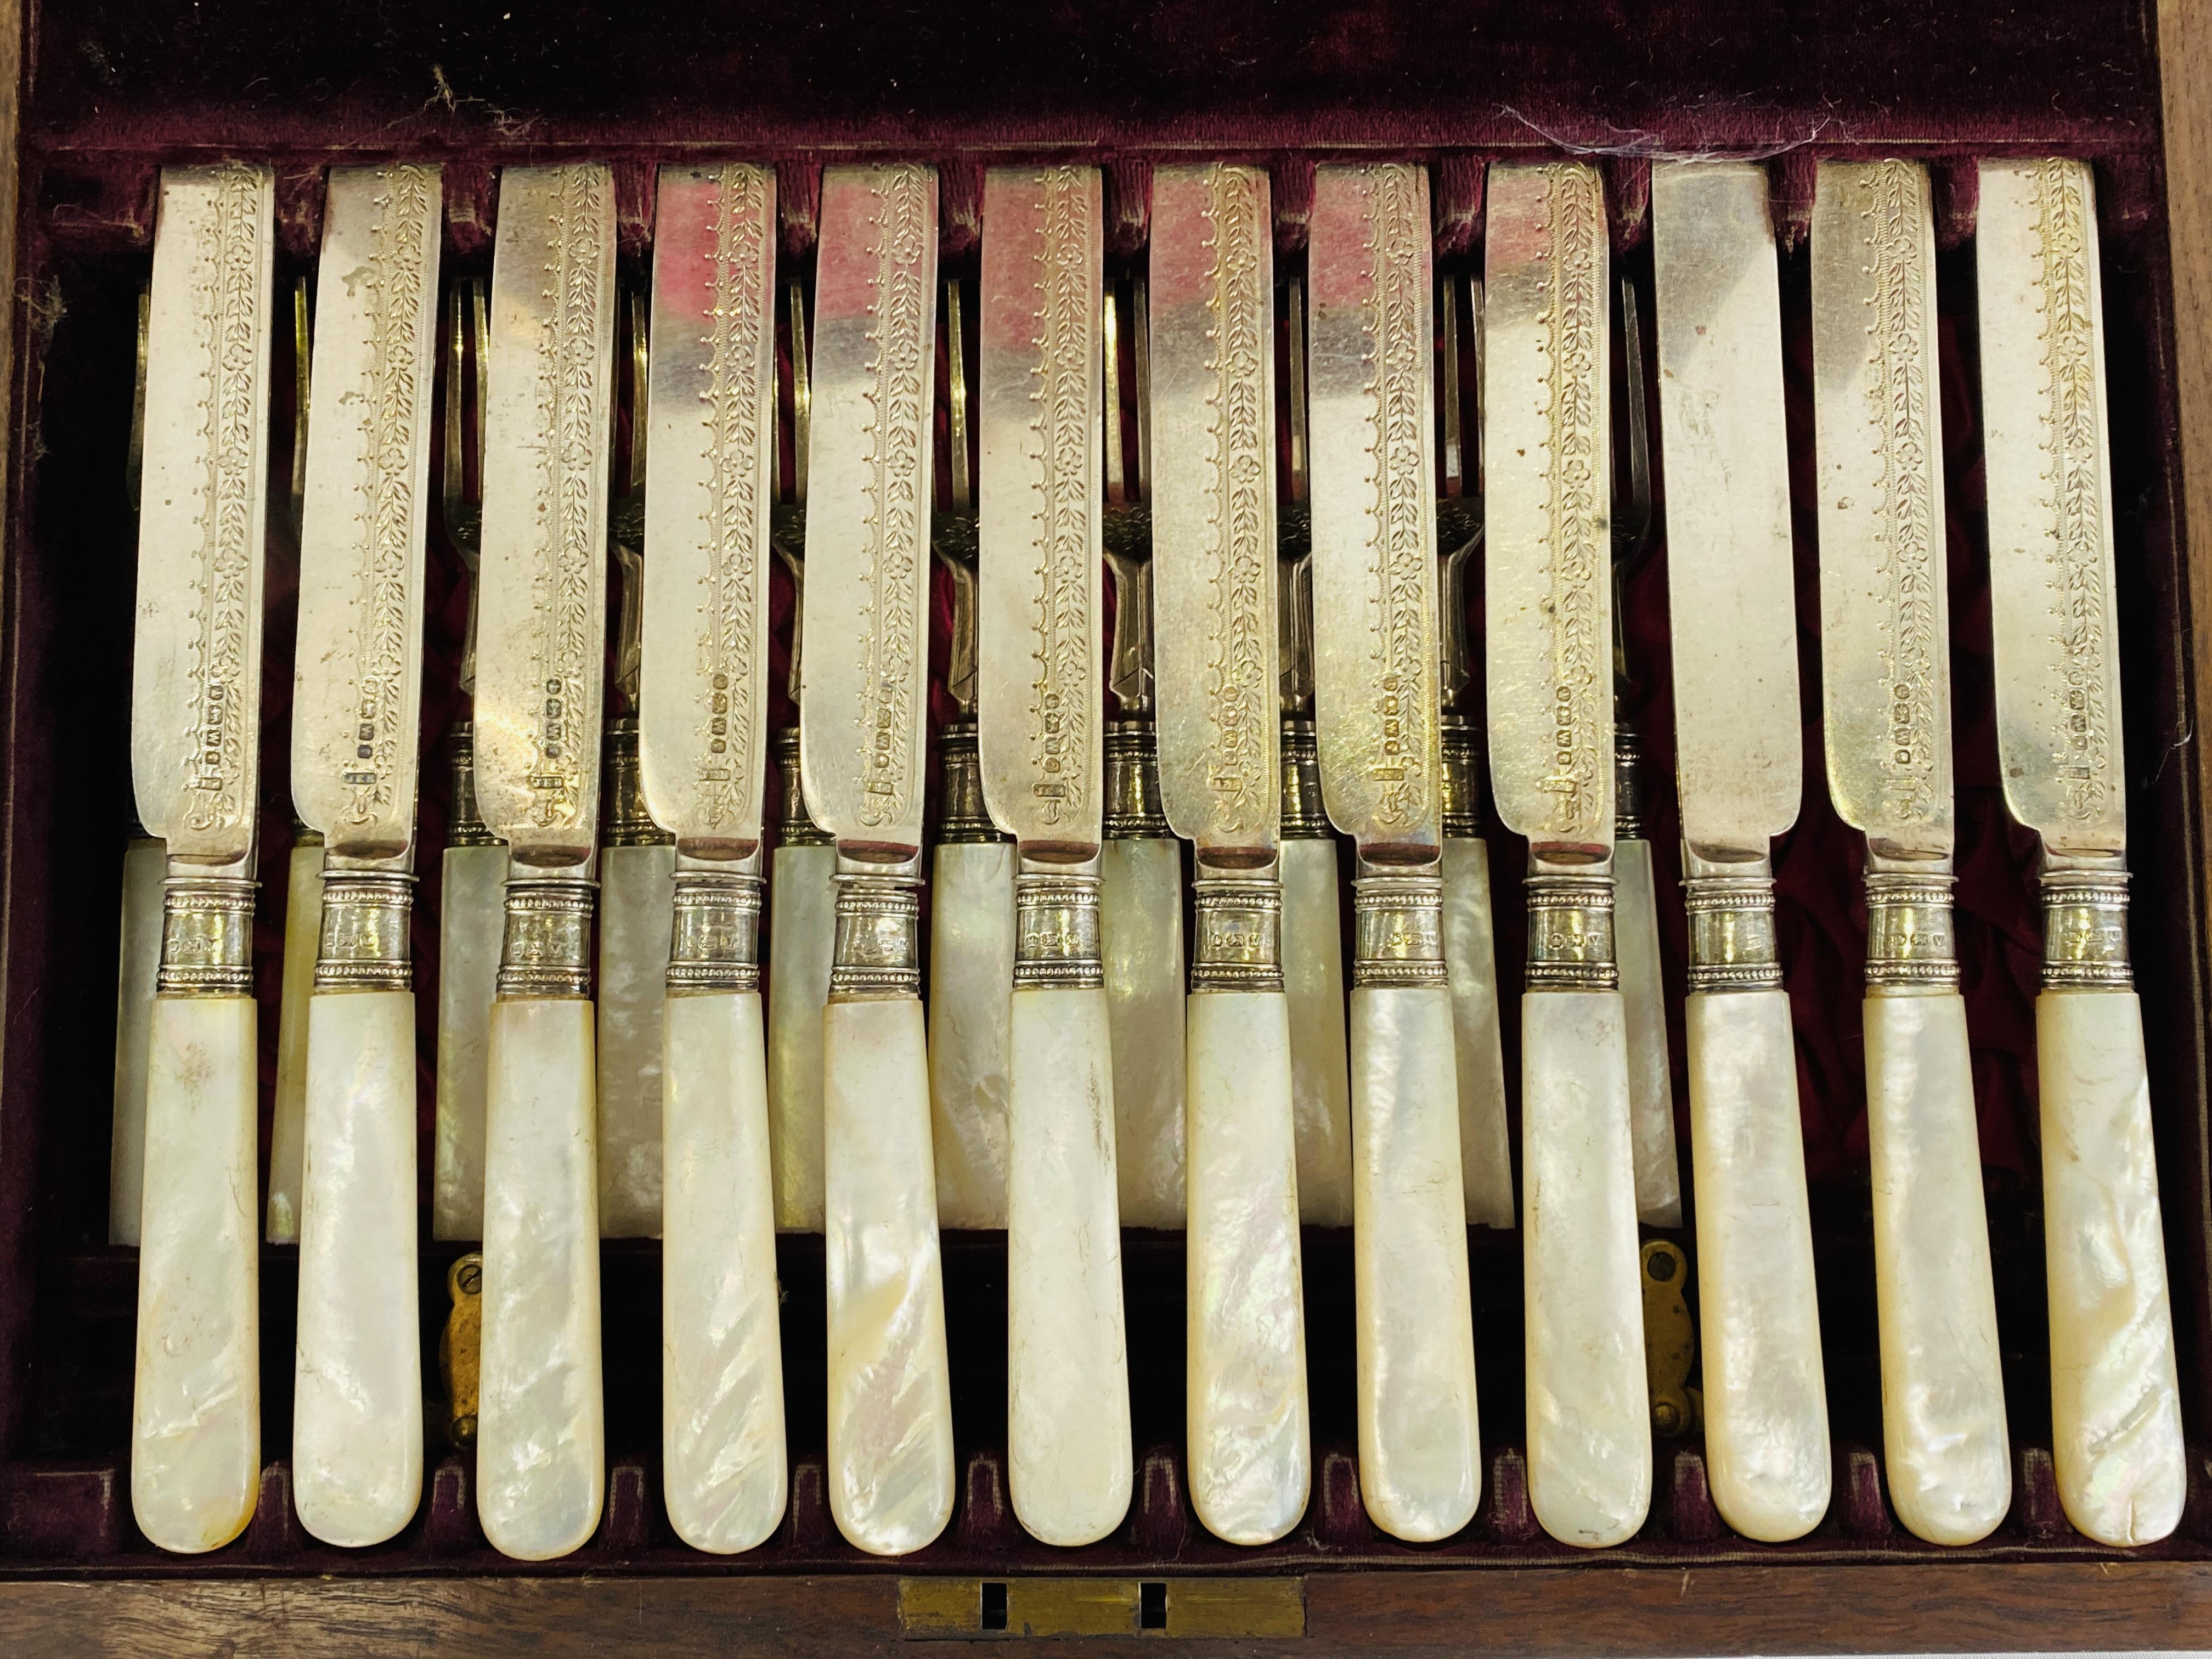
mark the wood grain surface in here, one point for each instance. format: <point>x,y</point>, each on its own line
<point>1596,1611</point>
<point>2185,38</point>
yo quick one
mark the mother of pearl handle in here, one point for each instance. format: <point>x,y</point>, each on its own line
<point>971,963</point>
<point>145,870</point>
<point>721,1378</point>
<point>1942,1393</point>
<point>357,1371</point>
<point>890,1397</point>
<point>637,889</point>
<point>1313,985</point>
<point>1485,1155</point>
<point>1251,1460</point>
<point>1067,1365</point>
<point>1140,940</point>
<point>802,936</point>
<point>1420,1439</point>
<point>471,924</point>
<point>2115,1404</point>
<point>196,1413</point>
<point>1644,1000</point>
<point>1767,1402</point>
<point>303,938</point>
<point>541,1424</point>
<point>1589,1411</point>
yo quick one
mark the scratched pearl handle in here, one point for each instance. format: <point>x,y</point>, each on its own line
<point>890,1399</point>
<point>1251,1459</point>
<point>1942,1391</point>
<point>2115,1402</point>
<point>1067,1365</point>
<point>1588,1405</point>
<point>541,1425</point>
<point>721,1357</point>
<point>195,1414</point>
<point>1766,1404</point>
<point>1420,1439</point>
<point>357,1378</point>
<point>1644,1000</point>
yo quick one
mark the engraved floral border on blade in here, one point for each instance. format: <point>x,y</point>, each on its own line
<point>736,532</point>
<point>1574,213</point>
<point>399,238</point>
<point>1066,347</point>
<point>1240,696</point>
<point>218,751</point>
<point>2073,477</point>
<point>897,227</point>
<point>1395,221</point>
<point>1893,220</point>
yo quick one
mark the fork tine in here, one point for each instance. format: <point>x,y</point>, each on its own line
<point>1448,384</point>
<point>641,369</point>
<point>450,482</point>
<point>1637,529</point>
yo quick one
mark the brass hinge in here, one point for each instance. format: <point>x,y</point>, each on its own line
<point>981,1609</point>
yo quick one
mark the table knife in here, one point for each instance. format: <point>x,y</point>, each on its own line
<point>637,856</point>
<point>1886,696</point>
<point>356,708</point>
<point>802,890</point>
<point>1377,716</point>
<point>195,737</point>
<point>2116,1414</point>
<point>1214,576</point>
<point>1141,894</point>
<point>1738,740</point>
<point>703,755</point>
<point>1485,1149</point>
<point>541,1454</point>
<point>971,873</point>
<point>1313,926</point>
<point>1548,603</point>
<point>1040,709</point>
<point>862,751</point>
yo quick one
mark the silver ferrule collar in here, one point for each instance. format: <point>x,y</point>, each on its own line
<point>714,944</point>
<point>364,940</point>
<point>1732,945</point>
<point>547,949</point>
<point>1909,944</point>
<point>1239,928</point>
<point>1132,782</point>
<point>878,953</point>
<point>2085,931</point>
<point>1057,930</point>
<point>207,934</point>
<point>1570,933</point>
<point>1398,928</point>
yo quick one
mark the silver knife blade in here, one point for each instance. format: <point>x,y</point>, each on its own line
<point>195,662</point>
<point>1738,739</point>
<point>1213,507</point>
<point>357,682</point>
<point>865,673</point>
<point>1547,445</point>
<point>703,728</point>
<point>542,618</point>
<point>1041,707</point>
<point>2045,443</point>
<point>1371,357</point>
<point>1886,683</point>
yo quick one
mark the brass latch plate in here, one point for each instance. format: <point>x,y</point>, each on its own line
<point>983,1609</point>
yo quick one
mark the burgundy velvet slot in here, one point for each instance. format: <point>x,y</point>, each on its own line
<point>119,90</point>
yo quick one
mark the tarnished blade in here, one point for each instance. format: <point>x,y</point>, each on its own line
<point>1885,677</point>
<point>866,668</point>
<point>1548,603</point>
<point>1213,506</point>
<point>1374,506</point>
<point>196,665</point>
<point>357,686</point>
<point>2046,442</point>
<point>702,726</point>
<point>1040,705</point>
<point>542,618</point>
<point>1737,737</point>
